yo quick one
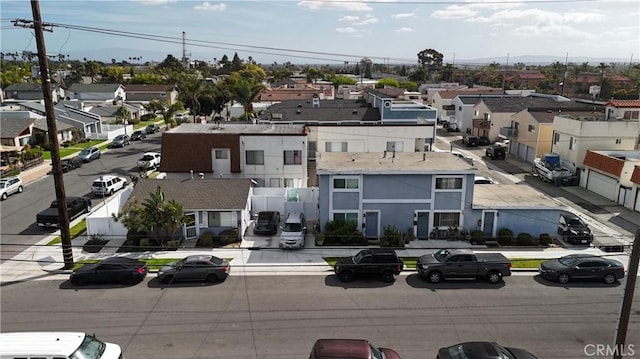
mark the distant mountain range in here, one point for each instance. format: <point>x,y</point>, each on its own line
<point>119,54</point>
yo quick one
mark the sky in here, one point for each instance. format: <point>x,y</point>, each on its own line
<point>334,32</point>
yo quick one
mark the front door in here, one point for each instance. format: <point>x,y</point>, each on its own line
<point>371,223</point>
<point>190,231</point>
<point>422,224</point>
<point>221,161</point>
<point>488,223</point>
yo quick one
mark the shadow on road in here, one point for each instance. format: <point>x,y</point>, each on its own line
<point>576,283</point>
<point>358,282</point>
<point>416,281</point>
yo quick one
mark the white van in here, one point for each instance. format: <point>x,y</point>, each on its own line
<point>55,345</point>
<point>294,231</point>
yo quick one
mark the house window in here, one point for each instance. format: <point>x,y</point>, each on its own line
<point>571,140</point>
<point>288,182</point>
<point>459,108</point>
<point>476,113</point>
<point>618,141</point>
<point>254,157</point>
<point>631,115</point>
<point>222,154</point>
<point>556,138</point>
<point>450,219</point>
<point>346,217</point>
<point>335,147</point>
<point>293,157</point>
<point>345,183</point>
<point>163,94</point>
<point>531,128</point>
<point>449,183</point>
<point>394,146</point>
<point>220,219</point>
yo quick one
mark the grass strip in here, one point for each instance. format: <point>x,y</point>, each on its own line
<point>75,231</point>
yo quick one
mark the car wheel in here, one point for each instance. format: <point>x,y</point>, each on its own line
<point>212,278</point>
<point>609,278</point>
<point>167,279</point>
<point>387,277</point>
<point>4,196</point>
<point>494,277</point>
<point>435,277</point>
<point>20,189</point>
<point>346,276</point>
<point>88,207</point>
<point>111,192</point>
<point>128,280</point>
<point>563,278</point>
<point>77,281</point>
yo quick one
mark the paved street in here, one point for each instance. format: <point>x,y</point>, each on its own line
<point>281,317</point>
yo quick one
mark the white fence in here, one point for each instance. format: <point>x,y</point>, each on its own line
<point>285,200</point>
<point>101,221</point>
<point>109,132</point>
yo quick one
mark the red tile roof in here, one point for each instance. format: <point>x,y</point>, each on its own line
<point>604,163</point>
<point>624,103</point>
<point>635,176</point>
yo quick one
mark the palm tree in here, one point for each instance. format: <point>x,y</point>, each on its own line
<point>244,90</point>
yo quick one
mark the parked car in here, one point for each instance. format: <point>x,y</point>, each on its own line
<point>483,180</point>
<point>9,186</point>
<point>573,230</point>
<point>108,185</point>
<point>149,161</point>
<point>120,141</point>
<point>349,348</point>
<point>111,270</point>
<point>483,350</point>
<point>267,222</point>
<point>582,266</point>
<point>138,135</point>
<point>484,141</point>
<point>76,206</point>
<point>496,152</point>
<point>58,345</point>
<point>470,140</point>
<point>382,262</point>
<point>152,128</point>
<point>463,264</point>
<point>452,127</point>
<point>180,117</point>
<point>294,231</point>
<point>89,154</point>
<point>69,164</point>
<point>195,268</point>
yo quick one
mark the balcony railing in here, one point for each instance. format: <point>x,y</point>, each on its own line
<point>509,132</point>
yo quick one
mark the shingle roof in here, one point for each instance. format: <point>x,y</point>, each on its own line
<point>516,104</point>
<point>24,86</point>
<point>198,194</point>
<point>624,103</point>
<point>12,127</point>
<point>41,124</point>
<point>93,87</point>
<point>149,88</point>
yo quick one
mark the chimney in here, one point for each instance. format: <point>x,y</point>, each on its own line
<point>316,101</point>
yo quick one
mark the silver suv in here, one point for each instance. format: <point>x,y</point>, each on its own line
<point>108,185</point>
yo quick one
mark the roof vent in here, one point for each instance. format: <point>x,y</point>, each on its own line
<point>354,111</point>
<point>299,105</point>
<point>299,111</point>
<point>353,157</point>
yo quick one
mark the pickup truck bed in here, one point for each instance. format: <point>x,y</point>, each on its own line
<point>463,264</point>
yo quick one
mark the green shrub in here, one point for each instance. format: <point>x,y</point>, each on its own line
<point>391,237</point>
<point>145,243</point>
<point>546,239</point>
<point>133,121</point>
<point>477,236</point>
<point>94,244</point>
<point>525,239</point>
<point>174,243</point>
<point>134,237</point>
<point>148,116</point>
<point>205,240</point>
<point>505,237</point>
<point>343,233</point>
<point>229,236</point>
<point>319,239</point>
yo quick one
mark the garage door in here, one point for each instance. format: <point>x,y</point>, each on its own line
<point>603,185</point>
<point>531,154</point>
<point>522,151</point>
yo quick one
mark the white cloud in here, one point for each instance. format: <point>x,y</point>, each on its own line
<point>345,5</point>
<point>403,16</point>
<point>155,2</point>
<point>207,6</point>
<point>370,20</point>
<point>566,32</point>
<point>540,17</point>
<point>346,30</point>
<point>349,18</point>
<point>405,29</point>
<point>455,12</point>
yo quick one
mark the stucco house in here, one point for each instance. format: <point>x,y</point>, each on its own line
<point>423,192</point>
<point>614,175</point>
<point>19,128</point>
<point>96,92</point>
<point>29,91</point>
<point>622,110</point>
<point>270,155</point>
<point>212,205</point>
<point>167,94</point>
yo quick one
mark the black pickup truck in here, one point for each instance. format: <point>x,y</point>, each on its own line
<point>75,205</point>
<point>374,261</point>
<point>463,264</point>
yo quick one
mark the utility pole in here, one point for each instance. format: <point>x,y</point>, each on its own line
<point>52,131</point>
<point>625,309</point>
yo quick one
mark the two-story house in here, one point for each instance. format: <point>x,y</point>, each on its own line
<point>29,91</point>
<point>270,155</point>
<point>614,175</point>
<point>167,94</point>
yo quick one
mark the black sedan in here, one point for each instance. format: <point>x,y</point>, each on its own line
<point>483,350</point>
<point>138,135</point>
<point>111,270</point>
<point>582,266</point>
<point>69,164</point>
<point>195,268</point>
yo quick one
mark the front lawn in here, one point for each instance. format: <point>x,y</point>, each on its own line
<point>67,151</point>
<point>76,231</point>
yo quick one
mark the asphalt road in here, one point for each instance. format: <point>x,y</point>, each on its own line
<point>282,316</point>
<point>18,212</point>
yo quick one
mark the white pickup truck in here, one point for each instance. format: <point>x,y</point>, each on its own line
<point>149,161</point>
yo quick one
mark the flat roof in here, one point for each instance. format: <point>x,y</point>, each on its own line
<point>239,128</point>
<point>402,162</point>
<point>511,196</point>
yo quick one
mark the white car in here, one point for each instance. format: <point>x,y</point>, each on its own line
<point>108,185</point>
<point>484,180</point>
<point>9,186</point>
<point>149,161</point>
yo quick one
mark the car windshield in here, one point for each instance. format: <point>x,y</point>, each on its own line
<point>86,151</point>
<point>575,222</point>
<point>292,227</point>
<point>441,254</point>
<point>91,348</point>
<point>98,184</point>
<point>568,261</point>
<point>3,184</point>
<point>147,157</point>
<point>376,353</point>
<point>216,260</point>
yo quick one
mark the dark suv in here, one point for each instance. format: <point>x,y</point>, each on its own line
<point>470,140</point>
<point>267,222</point>
<point>375,261</point>
<point>496,152</point>
<point>573,230</point>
